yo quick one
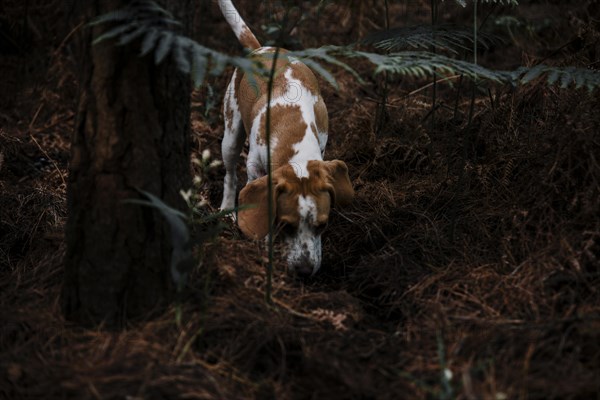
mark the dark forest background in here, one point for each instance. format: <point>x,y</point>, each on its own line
<point>467,267</point>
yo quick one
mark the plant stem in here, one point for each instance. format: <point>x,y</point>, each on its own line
<point>382,107</point>
<point>433,50</point>
<point>446,384</point>
<point>471,110</point>
<point>269,288</point>
<point>474,31</point>
<point>460,80</point>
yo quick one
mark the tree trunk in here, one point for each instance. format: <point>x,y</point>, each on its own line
<point>132,132</point>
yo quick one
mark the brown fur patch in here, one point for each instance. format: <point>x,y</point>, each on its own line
<point>248,40</point>
<point>287,124</point>
<point>313,128</point>
<point>252,89</point>
<point>287,127</point>
<point>315,187</point>
<point>325,185</point>
<point>228,111</point>
<point>321,116</point>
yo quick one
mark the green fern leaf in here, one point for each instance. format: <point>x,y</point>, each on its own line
<point>181,255</point>
<point>149,41</point>
<point>113,16</point>
<point>153,8</point>
<point>218,63</point>
<point>565,80</point>
<point>327,54</point>
<point>532,74</point>
<point>580,80</point>
<point>180,50</point>
<point>199,65</point>
<point>420,64</point>
<point>136,33</point>
<point>553,77</point>
<point>164,46</point>
<point>114,32</point>
<point>316,67</point>
<point>508,2</point>
<point>449,38</point>
<point>252,67</point>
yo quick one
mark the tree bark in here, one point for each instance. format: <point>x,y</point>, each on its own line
<point>132,132</point>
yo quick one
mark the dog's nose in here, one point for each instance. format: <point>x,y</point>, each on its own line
<point>303,267</point>
<point>304,270</point>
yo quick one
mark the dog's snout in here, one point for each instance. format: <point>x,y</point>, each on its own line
<point>304,268</point>
<point>304,271</point>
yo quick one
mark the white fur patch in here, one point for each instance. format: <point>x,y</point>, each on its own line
<point>305,246</point>
<point>230,146</point>
<point>231,103</point>
<point>322,136</point>
<point>307,208</point>
<point>264,49</point>
<point>308,148</point>
<point>233,17</point>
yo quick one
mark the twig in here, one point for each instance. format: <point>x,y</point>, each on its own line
<point>381,109</point>
<point>433,83</point>
<point>35,116</point>
<point>37,113</point>
<point>61,45</point>
<point>270,205</point>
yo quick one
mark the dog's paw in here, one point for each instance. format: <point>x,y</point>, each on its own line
<point>230,214</point>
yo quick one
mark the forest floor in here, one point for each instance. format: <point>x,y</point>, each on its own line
<point>467,266</point>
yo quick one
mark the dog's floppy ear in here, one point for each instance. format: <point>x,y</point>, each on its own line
<point>252,217</point>
<point>342,192</point>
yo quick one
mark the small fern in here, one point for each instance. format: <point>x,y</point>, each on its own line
<point>420,64</point>
<point>507,2</point>
<point>182,260</point>
<point>153,25</point>
<point>565,76</point>
<point>330,55</point>
<point>443,37</point>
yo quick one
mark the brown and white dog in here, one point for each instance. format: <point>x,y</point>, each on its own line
<point>304,186</point>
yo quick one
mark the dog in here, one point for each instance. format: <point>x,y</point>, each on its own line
<point>305,187</point>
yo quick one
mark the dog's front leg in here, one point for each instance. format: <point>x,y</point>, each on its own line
<point>231,146</point>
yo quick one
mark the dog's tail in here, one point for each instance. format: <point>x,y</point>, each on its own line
<point>241,30</point>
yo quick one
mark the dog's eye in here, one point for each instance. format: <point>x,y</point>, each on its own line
<point>321,227</point>
<point>286,228</point>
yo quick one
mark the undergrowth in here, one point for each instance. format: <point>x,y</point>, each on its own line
<point>467,265</point>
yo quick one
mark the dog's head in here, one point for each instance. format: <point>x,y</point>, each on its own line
<point>301,209</point>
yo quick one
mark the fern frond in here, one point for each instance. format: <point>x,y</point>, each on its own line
<point>565,76</point>
<point>114,16</point>
<point>412,63</point>
<point>420,64</point>
<point>181,255</point>
<point>152,25</point>
<point>146,20</point>
<point>328,54</point>
<point>318,68</point>
<point>149,41</point>
<point>507,2</point>
<point>164,46</point>
<point>442,37</point>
